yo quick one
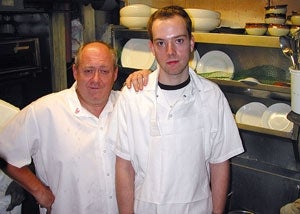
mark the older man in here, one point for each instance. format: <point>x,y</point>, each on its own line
<point>65,135</point>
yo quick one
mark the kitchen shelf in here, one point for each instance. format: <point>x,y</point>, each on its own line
<point>237,39</point>
<point>262,87</point>
<point>288,135</point>
<point>212,38</point>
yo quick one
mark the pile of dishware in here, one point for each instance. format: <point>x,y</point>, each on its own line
<point>274,25</point>
<point>204,20</point>
<point>275,17</point>
<point>135,16</point>
<point>275,14</point>
<point>259,115</point>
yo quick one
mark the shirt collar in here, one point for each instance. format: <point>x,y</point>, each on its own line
<point>79,111</point>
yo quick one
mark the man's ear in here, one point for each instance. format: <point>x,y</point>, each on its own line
<point>116,73</point>
<point>151,46</point>
<point>192,43</point>
<point>75,71</point>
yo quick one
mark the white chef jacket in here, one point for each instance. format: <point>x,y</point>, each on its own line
<point>67,144</point>
<point>7,111</point>
<point>171,148</point>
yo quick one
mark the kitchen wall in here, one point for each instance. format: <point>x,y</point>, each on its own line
<point>235,13</point>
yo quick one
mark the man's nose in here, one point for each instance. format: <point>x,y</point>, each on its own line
<point>96,75</point>
<point>170,48</point>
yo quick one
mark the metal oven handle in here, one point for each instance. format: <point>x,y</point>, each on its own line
<point>19,48</point>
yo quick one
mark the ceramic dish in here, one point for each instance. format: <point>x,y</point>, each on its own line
<point>215,61</point>
<point>250,81</point>
<point>136,54</point>
<point>275,117</point>
<point>195,60</point>
<point>251,114</point>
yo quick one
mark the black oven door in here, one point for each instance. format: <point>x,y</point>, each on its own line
<point>19,58</point>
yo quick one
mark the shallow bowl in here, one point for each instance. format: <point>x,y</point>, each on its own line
<point>202,13</point>
<point>135,10</point>
<point>205,24</point>
<point>273,18</point>
<point>277,9</point>
<point>134,22</point>
<point>278,29</point>
<point>295,19</point>
<point>257,29</point>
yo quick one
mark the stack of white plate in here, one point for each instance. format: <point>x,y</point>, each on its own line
<point>195,60</point>
<point>204,20</point>
<point>137,54</point>
<point>135,16</point>
<point>272,117</point>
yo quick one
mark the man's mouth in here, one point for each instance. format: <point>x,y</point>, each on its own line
<point>172,62</point>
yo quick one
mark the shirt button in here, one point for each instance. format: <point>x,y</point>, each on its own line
<point>110,197</point>
<point>108,174</point>
<point>170,116</point>
<point>104,151</point>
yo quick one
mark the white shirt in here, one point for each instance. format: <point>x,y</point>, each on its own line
<point>7,111</point>
<point>67,144</point>
<point>170,148</point>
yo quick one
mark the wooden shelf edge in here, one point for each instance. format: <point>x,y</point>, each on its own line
<point>237,39</point>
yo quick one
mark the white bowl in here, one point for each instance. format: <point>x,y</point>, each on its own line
<point>205,24</point>
<point>278,9</point>
<point>273,18</point>
<point>135,10</point>
<point>257,29</point>
<point>295,19</point>
<point>153,10</point>
<point>201,13</point>
<point>134,22</point>
<point>278,30</point>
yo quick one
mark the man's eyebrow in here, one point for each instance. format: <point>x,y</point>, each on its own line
<point>175,37</point>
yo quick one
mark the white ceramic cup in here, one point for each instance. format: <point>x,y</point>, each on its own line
<point>295,90</point>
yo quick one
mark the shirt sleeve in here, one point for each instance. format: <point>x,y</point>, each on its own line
<point>117,130</point>
<point>226,142</point>
<point>18,138</point>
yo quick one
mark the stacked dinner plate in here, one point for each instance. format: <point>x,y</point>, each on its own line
<point>135,16</point>
<point>136,54</point>
<point>272,117</point>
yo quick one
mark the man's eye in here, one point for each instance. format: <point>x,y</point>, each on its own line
<point>160,43</point>
<point>88,71</point>
<point>179,41</point>
<point>104,71</point>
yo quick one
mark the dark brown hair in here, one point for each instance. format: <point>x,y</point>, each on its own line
<point>169,12</point>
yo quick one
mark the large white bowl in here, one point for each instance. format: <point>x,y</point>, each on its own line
<point>136,10</point>
<point>205,24</point>
<point>202,13</point>
<point>134,22</point>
